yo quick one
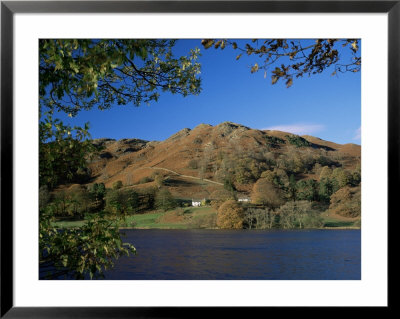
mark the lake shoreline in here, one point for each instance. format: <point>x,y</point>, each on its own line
<point>321,228</point>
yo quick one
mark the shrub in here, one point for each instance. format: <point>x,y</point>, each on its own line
<point>145,180</point>
<point>204,221</point>
<point>197,140</point>
<point>117,185</point>
<point>193,164</point>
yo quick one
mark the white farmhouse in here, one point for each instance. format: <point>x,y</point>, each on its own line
<point>244,199</point>
<point>196,203</point>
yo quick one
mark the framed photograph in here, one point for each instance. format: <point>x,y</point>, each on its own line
<point>161,156</point>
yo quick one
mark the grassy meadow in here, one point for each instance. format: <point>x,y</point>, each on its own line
<point>190,218</point>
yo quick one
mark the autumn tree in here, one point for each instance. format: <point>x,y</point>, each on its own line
<point>285,59</point>
<point>267,193</point>
<point>230,215</point>
<point>346,202</point>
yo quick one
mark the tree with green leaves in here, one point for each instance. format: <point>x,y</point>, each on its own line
<point>307,190</point>
<point>79,74</point>
<point>292,59</point>
<point>326,188</point>
<point>97,192</point>
<point>77,252</point>
<point>164,200</point>
<point>63,151</point>
<point>121,202</point>
<point>341,176</point>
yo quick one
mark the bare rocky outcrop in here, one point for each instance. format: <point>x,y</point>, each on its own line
<point>227,128</point>
<point>182,133</point>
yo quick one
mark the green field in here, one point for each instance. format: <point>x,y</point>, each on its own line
<point>189,218</point>
<point>332,222</point>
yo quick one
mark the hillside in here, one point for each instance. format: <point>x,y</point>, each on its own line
<point>194,163</point>
<point>246,177</point>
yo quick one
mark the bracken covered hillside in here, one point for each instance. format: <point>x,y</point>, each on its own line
<point>198,163</point>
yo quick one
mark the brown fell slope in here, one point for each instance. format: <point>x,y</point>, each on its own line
<point>190,160</point>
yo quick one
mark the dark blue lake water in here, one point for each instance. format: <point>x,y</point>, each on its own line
<point>241,254</point>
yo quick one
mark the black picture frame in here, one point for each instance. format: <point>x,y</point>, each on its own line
<point>9,8</point>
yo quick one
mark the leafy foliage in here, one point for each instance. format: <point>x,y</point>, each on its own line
<point>307,190</point>
<point>290,59</point>
<point>77,252</point>
<point>164,200</point>
<point>122,202</point>
<point>97,192</point>
<point>63,151</point>
<point>81,73</point>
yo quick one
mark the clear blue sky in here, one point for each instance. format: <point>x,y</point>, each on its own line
<point>325,106</point>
